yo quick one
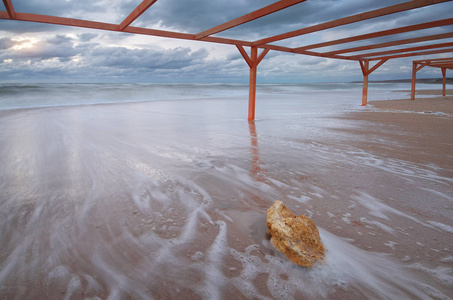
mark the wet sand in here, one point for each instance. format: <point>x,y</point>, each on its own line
<point>168,201</point>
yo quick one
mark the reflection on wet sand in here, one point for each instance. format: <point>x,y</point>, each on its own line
<point>257,172</point>
<point>121,201</point>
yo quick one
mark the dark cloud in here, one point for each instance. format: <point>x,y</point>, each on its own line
<point>92,58</point>
<point>84,53</point>
<point>86,37</point>
<point>60,40</point>
<point>6,43</point>
<point>123,58</point>
<point>61,8</point>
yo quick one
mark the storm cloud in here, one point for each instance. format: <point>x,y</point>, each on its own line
<point>41,52</point>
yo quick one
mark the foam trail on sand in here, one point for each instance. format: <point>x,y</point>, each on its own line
<point>166,199</point>
<point>346,268</point>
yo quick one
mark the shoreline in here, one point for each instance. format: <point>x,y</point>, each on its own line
<point>425,124</point>
<point>436,103</point>
<point>163,200</point>
<point>433,92</point>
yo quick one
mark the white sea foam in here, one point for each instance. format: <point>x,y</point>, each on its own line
<point>444,227</point>
<point>378,224</point>
<point>164,200</point>
<point>346,267</point>
<point>379,209</point>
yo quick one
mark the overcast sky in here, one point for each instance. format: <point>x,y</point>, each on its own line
<point>32,52</point>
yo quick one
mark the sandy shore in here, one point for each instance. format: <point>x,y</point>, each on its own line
<point>168,200</point>
<point>438,92</point>
<point>420,104</point>
<point>424,124</point>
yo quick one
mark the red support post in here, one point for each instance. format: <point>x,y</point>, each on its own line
<point>415,69</point>
<point>414,74</point>
<point>365,67</point>
<point>444,81</point>
<point>253,61</point>
<point>252,84</point>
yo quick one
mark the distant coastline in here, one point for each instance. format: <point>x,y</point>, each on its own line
<point>420,80</point>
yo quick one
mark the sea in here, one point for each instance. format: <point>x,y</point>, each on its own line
<point>13,96</point>
<point>160,191</point>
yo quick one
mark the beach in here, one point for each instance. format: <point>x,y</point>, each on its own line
<point>167,199</point>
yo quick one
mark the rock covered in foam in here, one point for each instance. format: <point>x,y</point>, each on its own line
<point>296,236</point>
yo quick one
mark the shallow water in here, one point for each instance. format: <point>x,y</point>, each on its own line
<point>167,199</point>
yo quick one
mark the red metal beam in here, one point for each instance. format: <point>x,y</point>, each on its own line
<point>170,34</point>
<point>439,63</point>
<point>9,8</point>
<point>377,66</point>
<point>419,67</point>
<point>220,40</point>
<point>427,25</point>
<point>291,50</point>
<point>262,55</point>
<point>434,60</point>
<point>448,65</point>
<point>137,12</point>
<point>363,67</point>
<point>393,43</point>
<point>351,19</point>
<point>282,4</point>
<point>435,63</point>
<point>368,55</point>
<point>413,54</point>
<point>114,27</point>
<point>245,55</point>
<point>60,21</point>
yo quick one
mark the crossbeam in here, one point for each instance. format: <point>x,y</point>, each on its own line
<point>137,12</point>
<point>9,8</point>
<point>351,19</point>
<point>382,33</point>
<point>435,60</point>
<point>249,17</point>
<point>394,43</point>
<point>440,64</point>
<point>114,27</point>
<point>427,47</point>
<point>420,53</point>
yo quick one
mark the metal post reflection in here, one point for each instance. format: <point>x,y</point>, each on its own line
<point>256,171</point>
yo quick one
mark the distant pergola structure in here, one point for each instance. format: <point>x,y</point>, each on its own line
<point>442,63</point>
<point>268,43</point>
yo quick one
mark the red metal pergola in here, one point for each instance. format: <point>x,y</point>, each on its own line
<point>267,44</point>
<point>442,63</point>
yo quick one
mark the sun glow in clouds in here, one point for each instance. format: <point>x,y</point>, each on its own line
<point>25,43</point>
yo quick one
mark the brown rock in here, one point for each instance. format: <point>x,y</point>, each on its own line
<point>296,236</point>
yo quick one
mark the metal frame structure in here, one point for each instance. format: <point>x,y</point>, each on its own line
<point>442,63</point>
<point>268,43</point>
